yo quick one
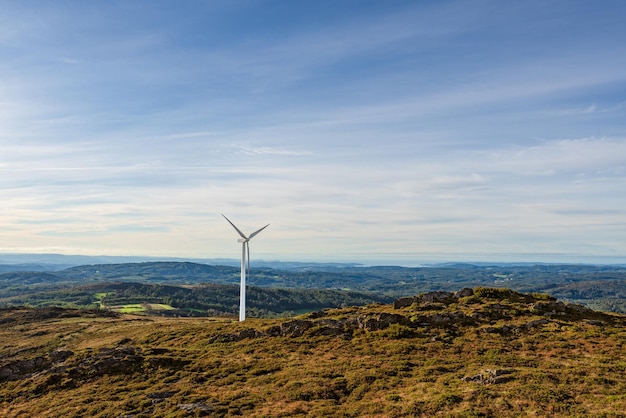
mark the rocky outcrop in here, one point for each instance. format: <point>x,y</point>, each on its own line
<point>198,408</point>
<point>554,308</point>
<point>295,328</point>
<point>64,364</point>
<point>432,309</point>
<point>442,297</point>
<point>463,293</point>
<point>536,323</point>
<point>403,302</point>
<point>167,362</point>
<point>457,317</point>
<point>490,376</point>
<point>111,361</point>
<point>21,315</point>
<point>380,321</point>
<point>345,327</point>
<point>323,326</point>
<point>445,298</point>
<point>22,369</point>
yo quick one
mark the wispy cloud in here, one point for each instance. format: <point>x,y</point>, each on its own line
<point>445,127</point>
<point>256,150</point>
<point>585,155</point>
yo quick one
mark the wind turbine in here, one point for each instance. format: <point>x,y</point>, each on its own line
<point>245,255</point>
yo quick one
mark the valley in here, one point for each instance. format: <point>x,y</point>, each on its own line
<point>176,288</point>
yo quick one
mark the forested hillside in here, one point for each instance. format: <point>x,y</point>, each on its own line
<point>197,300</point>
<point>600,287</point>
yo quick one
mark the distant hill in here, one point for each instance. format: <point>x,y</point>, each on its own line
<point>7,268</point>
<point>164,271</point>
<point>576,283</point>
<point>54,262</point>
<point>482,352</point>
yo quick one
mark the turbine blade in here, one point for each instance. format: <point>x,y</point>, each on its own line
<point>256,232</point>
<point>236,229</point>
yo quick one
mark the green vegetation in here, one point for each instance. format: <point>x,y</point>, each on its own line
<point>481,353</point>
<point>132,308</point>
<point>141,308</point>
<point>600,287</point>
<point>193,300</point>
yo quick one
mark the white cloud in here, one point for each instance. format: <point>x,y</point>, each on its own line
<point>430,128</point>
<point>260,150</point>
<point>584,155</point>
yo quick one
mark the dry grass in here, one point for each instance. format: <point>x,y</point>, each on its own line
<point>566,367</point>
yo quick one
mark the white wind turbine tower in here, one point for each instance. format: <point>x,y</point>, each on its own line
<point>245,255</point>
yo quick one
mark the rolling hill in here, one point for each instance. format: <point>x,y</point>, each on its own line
<point>599,287</point>
<point>482,352</point>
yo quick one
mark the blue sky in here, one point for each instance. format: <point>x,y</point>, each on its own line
<point>367,131</point>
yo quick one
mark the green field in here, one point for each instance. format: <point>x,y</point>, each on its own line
<point>138,308</point>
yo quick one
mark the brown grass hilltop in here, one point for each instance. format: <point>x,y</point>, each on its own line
<point>475,353</point>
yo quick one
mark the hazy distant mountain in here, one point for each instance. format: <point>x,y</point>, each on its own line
<point>77,260</point>
<point>55,262</point>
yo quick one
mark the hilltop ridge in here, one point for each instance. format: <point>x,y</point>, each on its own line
<point>481,352</point>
